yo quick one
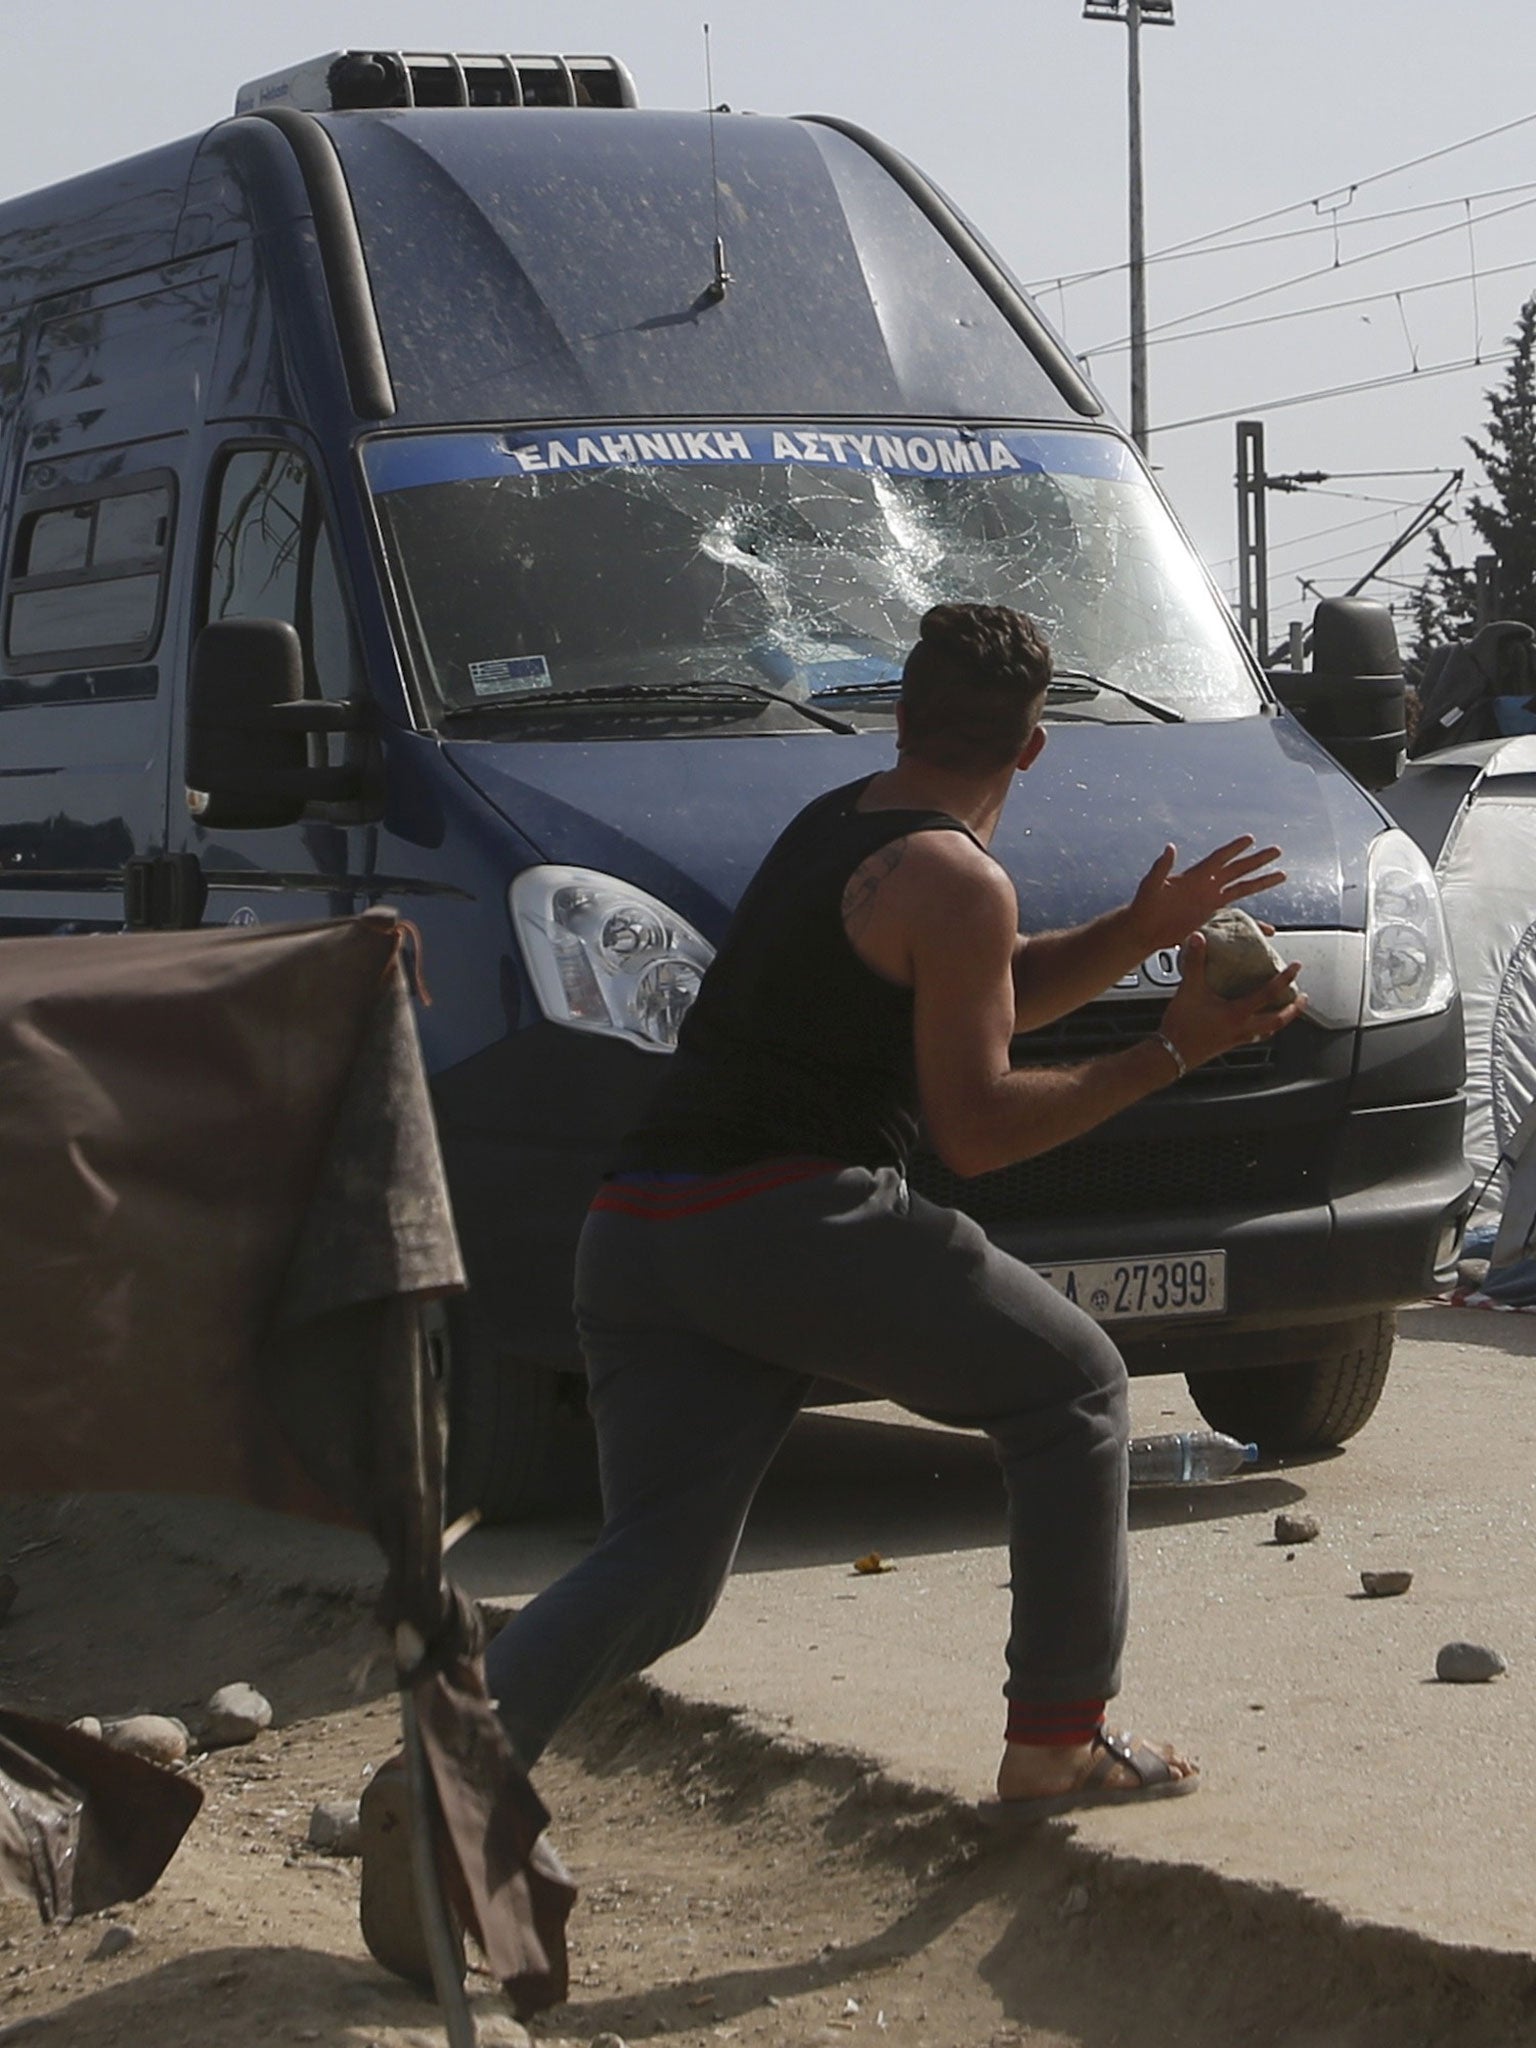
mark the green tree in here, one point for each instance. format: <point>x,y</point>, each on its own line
<point>1504,520</point>
<point>1444,607</point>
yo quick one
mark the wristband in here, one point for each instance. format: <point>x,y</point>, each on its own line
<point>1162,1039</point>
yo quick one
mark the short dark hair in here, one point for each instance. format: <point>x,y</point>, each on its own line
<point>973,686</point>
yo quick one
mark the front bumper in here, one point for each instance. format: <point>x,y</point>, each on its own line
<point>1396,1198</point>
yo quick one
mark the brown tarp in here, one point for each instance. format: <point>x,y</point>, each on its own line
<point>222,1204</point>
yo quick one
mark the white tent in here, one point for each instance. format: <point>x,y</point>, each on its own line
<point>1473,810</point>
<point>1512,1271</point>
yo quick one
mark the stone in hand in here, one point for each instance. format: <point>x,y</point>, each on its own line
<point>1238,957</point>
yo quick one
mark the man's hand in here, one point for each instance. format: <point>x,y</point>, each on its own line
<point>1168,906</point>
<point>1203,1025</point>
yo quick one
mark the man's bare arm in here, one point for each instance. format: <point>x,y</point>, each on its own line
<point>1055,973</point>
<point>953,915</point>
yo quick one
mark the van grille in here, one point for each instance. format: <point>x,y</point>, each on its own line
<point>1078,1182</point>
<point>1111,1027</point>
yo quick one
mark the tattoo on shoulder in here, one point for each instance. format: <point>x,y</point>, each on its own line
<point>864,884</point>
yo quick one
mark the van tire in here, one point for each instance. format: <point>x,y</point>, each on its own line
<point>1313,1405</point>
<point>519,1439</point>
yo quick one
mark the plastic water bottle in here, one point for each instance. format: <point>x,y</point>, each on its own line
<point>1187,1457</point>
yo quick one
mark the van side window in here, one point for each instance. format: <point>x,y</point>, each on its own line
<point>272,558</point>
<point>87,579</point>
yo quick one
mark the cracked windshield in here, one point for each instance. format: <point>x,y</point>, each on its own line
<point>759,579</point>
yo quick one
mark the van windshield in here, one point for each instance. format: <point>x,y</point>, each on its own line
<point>549,565</point>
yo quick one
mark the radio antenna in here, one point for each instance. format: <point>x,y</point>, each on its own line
<point>722,277</point>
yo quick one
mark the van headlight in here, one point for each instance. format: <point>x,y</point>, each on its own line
<point>1408,966</point>
<point>605,956</point>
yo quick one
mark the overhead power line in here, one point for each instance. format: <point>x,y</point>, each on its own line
<point>1365,497</point>
<point>1310,276</point>
<point>1252,410</point>
<point>1319,202</point>
<point>1324,562</point>
<point>1317,227</point>
<point>1306,540</point>
<point>1344,526</point>
<point>1528,264</point>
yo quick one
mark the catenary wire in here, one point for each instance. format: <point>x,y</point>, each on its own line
<point>1306,540</point>
<point>1330,226</point>
<point>1309,312</point>
<point>1243,412</point>
<point>1295,206</point>
<point>1308,276</point>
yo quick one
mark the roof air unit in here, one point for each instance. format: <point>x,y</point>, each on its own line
<point>411,78</point>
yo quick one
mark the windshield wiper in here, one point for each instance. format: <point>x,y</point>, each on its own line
<point>1079,686</point>
<point>1090,686</point>
<point>885,687</point>
<point>722,688</point>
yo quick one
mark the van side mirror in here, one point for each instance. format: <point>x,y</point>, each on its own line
<point>1351,699</point>
<point>248,726</point>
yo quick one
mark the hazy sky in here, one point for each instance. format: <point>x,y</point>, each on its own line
<point>1286,116</point>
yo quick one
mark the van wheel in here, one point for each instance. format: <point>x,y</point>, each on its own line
<point>519,1438</point>
<point>1310,1406</point>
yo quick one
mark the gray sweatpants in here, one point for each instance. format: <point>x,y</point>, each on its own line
<point>702,1333</point>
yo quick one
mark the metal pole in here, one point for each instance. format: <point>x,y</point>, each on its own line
<point>1139,428</point>
<point>1252,536</point>
<point>442,1950</point>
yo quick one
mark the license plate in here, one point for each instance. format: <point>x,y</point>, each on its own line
<point>1142,1290</point>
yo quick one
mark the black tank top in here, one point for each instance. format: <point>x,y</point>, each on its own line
<point>794,1046</point>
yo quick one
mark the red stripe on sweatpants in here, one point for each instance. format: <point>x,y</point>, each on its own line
<point>660,1206</point>
<point>1054,1723</point>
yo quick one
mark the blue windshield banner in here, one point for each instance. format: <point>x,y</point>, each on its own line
<point>407,461</point>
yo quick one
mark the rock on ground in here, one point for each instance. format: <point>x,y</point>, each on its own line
<point>158,1738</point>
<point>1468,1663</point>
<point>116,1941</point>
<point>336,1827</point>
<point>1382,1585</point>
<point>235,1714</point>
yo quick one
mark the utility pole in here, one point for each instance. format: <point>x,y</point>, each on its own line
<point>1252,537</point>
<point>1156,14</point>
<point>1254,483</point>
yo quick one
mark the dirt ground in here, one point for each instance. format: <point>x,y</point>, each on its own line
<point>734,1887</point>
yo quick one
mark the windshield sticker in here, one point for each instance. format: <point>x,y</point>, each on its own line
<point>402,463</point>
<point>511,676</point>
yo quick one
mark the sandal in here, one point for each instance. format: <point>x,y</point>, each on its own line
<point>1150,1766</point>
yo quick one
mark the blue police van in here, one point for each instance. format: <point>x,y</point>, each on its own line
<point>445,484</point>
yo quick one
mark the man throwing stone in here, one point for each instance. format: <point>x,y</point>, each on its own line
<point>758,1231</point>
